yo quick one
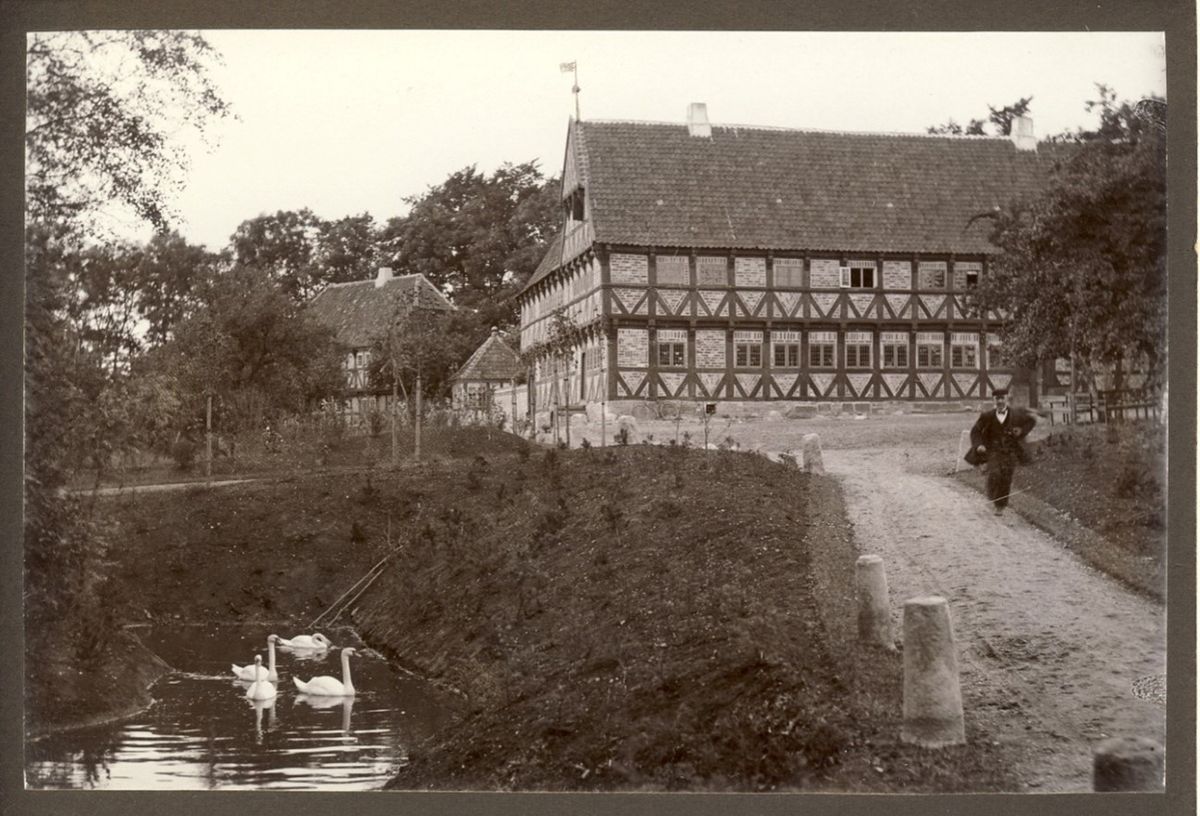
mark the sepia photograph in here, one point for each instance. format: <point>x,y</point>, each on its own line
<point>596,411</point>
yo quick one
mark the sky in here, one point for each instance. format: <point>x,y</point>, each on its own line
<point>346,122</point>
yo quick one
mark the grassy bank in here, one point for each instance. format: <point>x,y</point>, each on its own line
<point>625,618</point>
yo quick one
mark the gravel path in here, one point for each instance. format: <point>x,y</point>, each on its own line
<point>1049,648</point>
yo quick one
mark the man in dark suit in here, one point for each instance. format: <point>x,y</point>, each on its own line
<point>997,439</point>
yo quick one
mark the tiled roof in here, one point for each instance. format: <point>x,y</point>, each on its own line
<point>493,360</point>
<point>549,262</point>
<point>778,189</point>
<point>771,188</point>
<point>360,312</point>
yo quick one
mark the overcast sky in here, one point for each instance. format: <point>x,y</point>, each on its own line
<point>345,122</point>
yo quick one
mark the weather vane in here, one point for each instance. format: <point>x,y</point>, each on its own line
<point>566,67</point>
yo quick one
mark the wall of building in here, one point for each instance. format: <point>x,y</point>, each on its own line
<point>825,327</point>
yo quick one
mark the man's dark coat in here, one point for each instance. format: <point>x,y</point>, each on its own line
<point>1005,438</point>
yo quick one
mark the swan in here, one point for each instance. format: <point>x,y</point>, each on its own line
<point>315,641</point>
<point>260,689</point>
<point>257,672</point>
<point>326,686</point>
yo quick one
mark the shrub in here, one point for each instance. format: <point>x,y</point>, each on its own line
<point>621,437</point>
<point>376,420</point>
<point>183,451</point>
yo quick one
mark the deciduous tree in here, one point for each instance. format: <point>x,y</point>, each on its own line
<point>1082,272</point>
<point>253,347</point>
<point>104,110</point>
<point>477,237</point>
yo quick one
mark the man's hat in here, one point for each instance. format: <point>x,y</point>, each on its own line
<point>1000,392</point>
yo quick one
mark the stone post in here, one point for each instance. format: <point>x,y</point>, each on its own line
<point>1127,764</point>
<point>964,445</point>
<point>812,454</point>
<point>933,713</point>
<point>874,617</point>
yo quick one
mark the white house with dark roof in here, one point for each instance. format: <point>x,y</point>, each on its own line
<point>360,313</point>
<point>715,263</point>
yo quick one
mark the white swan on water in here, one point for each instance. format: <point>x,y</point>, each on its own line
<point>260,689</point>
<point>326,686</point>
<point>257,672</point>
<point>314,641</point>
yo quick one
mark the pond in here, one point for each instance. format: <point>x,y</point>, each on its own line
<point>202,732</point>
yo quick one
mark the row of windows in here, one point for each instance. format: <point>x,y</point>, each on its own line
<point>822,354</point>
<point>789,273</point>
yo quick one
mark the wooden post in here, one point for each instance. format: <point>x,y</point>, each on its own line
<point>417,424</point>
<point>208,436</point>
<point>395,400</point>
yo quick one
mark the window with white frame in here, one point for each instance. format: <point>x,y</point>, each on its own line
<point>672,348</point>
<point>894,347</point>
<point>858,275</point>
<point>964,350</point>
<point>993,352</point>
<point>822,349</point>
<point>858,349</point>
<point>929,349</point>
<point>785,349</point>
<point>747,349</point>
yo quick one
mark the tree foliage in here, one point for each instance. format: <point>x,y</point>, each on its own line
<point>1083,266</point>
<point>253,347</point>
<point>304,252</point>
<point>1001,120</point>
<point>431,342</point>
<point>478,238</point>
<point>104,114</point>
<point>104,110</point>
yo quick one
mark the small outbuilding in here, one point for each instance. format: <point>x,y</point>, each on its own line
<point>486,386</point>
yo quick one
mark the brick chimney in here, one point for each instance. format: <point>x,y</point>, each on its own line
<point>383,276</point>
<point>697,120</point>
<point>1022,133</point>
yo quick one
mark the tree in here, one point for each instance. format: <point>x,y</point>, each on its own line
<point>305,252</point>
<point>103,110</point>
<point>1000,118</point>
<point>285,246</point>
<point>1082,273</point>
<point>478,238</point>
<point>417,356</point>
<point>347,250</point>
<point>254,348</point>
<point>169,275</point>
<point>952,128</point>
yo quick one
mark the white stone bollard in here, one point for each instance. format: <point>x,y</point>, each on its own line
<point>964,445</point>
<point>933,713</point>
<point>1127,764</point>
<point>813,463</point>
<point>629,425</point>
<point>874,617</point>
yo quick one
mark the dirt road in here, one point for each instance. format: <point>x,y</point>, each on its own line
<point>1049,648</point>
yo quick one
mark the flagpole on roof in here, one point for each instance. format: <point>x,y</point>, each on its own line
<point>574,69</point>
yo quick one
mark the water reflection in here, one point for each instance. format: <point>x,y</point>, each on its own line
<point>202,732</point>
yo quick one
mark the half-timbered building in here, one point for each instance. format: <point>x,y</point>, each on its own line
<point>360,314</point>
<point>711,263</point>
